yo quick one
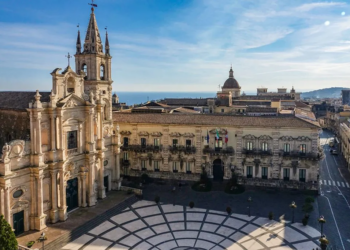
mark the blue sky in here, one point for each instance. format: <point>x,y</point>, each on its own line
<point>183,45</point>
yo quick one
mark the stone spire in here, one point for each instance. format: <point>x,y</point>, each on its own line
<point>92,43</point>
<point>231,73</point>
<point>78,43</point>
<point>107,44</point>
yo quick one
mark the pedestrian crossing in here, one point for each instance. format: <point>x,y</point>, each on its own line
<point>334,183</point>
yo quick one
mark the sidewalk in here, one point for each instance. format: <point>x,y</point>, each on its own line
<point>75,219</point>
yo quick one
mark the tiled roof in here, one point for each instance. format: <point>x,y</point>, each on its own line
<point>20,100</point>
<point>186,101</point>
<point>216,120</point>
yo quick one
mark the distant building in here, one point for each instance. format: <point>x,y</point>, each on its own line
<point>345,93</point>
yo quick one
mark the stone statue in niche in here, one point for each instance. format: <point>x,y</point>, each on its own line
<point>6,151</point>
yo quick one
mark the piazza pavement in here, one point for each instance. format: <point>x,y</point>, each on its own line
<point>148,225</point>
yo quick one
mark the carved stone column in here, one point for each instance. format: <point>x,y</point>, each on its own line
<point>199,150</point>
<point>101,189</point>
<point>83,184</point>
<point>7,207</point>
<point>63,206</point>
<point>54,201</point>
<point>239,158</point>
<point>91,182</point>
<point>2,202</point>
<point>53,131</point>
<point>275,157</point>
<point>39,220</point>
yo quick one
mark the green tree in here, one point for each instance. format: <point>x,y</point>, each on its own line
<point>7,236</point>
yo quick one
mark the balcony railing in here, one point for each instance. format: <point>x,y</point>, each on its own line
<point>125,163</point>
<point>185,149</point>
<point>298,154</point>
<point>218,151</point>
<point>72,151</point>
<point>255,151</point>
<point>142,148</point>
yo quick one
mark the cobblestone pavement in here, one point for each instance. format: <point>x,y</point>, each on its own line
<point>147,225</point>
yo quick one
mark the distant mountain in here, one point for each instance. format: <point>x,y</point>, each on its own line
<point>334,92</point>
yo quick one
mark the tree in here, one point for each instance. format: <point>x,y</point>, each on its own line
<point>7,236</point>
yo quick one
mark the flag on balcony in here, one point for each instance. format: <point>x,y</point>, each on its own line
<point>207,136</point>
<point>226,137</point>
<point>217,134</point>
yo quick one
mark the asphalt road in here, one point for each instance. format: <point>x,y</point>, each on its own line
<point>334,201</point>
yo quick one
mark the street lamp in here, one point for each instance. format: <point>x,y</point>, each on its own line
<point>173,191</point>
<point>293,206</point>
<point>42,239</point>
<point>321,220</point>
<point>323,242</point>
<point>249,200</point>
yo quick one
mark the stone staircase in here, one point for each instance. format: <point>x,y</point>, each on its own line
<point>79,231</point>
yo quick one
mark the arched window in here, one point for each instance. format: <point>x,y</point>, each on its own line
<point>70,85</point>
<point>84,68</point>
<point>102,72</point>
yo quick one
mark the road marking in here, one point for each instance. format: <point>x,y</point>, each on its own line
<point>329,182</point>
<point>335,160</point>
<point>347,184</point>
<point>341,240</point>
<point>320,182</point>
<point>340,173</point>
<point>338,183</point>
<point>343,184</point>
<point>333,183</point>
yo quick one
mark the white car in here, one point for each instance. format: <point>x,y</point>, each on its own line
<point>334,152</point>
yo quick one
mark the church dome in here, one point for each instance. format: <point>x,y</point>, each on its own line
<point>231,82</point>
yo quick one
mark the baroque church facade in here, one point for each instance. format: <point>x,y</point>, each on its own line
<point>71,157</point>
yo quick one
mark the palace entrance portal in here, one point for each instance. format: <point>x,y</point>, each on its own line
<point>218,170</point>
<point>72,194</point>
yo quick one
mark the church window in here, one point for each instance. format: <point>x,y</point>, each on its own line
<point>72,139</point>
<point>188,167</point>
<point>84,68</point>
<point>126,141</point>
<point>249,145</point>
<point>175,143</point>
<point>188,143</point>
<point>102,72</point>
<point>70,85</point>
<point>264,146</point>
<point>143,142</point>
<point>222,110</point>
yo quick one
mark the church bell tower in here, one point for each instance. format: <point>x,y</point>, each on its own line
<point>93,61</point>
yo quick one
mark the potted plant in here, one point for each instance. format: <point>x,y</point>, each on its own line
<point>30,244</point>
<point>228,210</point>
<point>191,204</point>
<point>157,199</point>
<point>305,220</point>
<point>270,216</point>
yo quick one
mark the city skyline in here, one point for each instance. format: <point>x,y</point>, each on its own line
<point>183,45</point>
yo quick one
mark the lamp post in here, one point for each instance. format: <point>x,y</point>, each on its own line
<point>249,200</point>
<point>293,206</point>
<point>321,220</point>
<point>323,242</point>
<point>173,191</point>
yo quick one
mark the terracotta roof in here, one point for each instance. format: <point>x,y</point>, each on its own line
<point>213,119</point>
<point>20,99</point>
<point>186,101</point>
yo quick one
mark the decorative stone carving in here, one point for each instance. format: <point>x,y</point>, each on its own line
<point>220,130</point>
<point>188,135</point>
<point>175,134</point>
<point>249,137</point>
<point>124,132</point>
<point>5,152</point>
<point>143,133</point>
<point>70,104</point>
<point>286,138</point>
<point>17,148</point>
<point>303,138</point>
<point>265,137</point>
<point>156,134</point>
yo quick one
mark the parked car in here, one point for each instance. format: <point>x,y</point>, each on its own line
<point>334,152</point>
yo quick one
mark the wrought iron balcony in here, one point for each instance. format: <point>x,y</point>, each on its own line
<point>185,149</point>
<point>125,163</point>
<point>255,151</point>
<point>302,155</point>
<point>142,148</point>
<point>218,151</point>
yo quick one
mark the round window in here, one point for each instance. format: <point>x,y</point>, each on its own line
<point>105,163</point>
<point>18,193</point>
